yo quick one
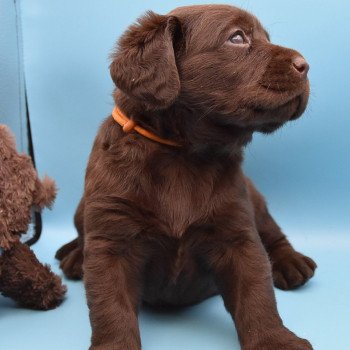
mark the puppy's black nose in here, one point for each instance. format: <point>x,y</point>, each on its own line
<point>300,65</point>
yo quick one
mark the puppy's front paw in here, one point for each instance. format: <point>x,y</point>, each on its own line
<point>291,269</point>
<point>114,346</point>
<point>282,339</point>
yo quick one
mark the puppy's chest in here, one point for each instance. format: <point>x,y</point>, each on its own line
<point>183,197</point>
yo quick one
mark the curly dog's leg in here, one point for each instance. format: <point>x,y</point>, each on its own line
<point>27,281</point>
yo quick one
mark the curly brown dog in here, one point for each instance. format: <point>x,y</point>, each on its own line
<point>167,216</point>
<point>22,277</point>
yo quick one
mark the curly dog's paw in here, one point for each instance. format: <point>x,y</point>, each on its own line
<point>292,269</point>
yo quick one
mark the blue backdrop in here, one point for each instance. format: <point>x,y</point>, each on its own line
<point>302,169</point>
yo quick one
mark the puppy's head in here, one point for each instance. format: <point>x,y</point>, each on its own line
<point>215,60</point>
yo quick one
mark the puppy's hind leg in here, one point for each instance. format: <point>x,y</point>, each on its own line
<point>290,268</point>
<point>66,249</point>
<point>71,254</point>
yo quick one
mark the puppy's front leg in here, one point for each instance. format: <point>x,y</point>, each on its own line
<point>290,268</point>
<point>243,276</point>
<point>113,263</point>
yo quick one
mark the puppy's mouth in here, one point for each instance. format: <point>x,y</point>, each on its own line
<point>271,118</point>
<point>290,108</point>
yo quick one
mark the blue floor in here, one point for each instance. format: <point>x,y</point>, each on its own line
<point>318,311</point>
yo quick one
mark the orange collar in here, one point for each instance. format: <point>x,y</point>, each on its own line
<point>129,125</point>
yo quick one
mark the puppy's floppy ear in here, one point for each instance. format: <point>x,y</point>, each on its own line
<point>144,65</point>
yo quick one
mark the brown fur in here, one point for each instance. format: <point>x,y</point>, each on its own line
<point>172,226</point>
<point>24,279</point>
<point>22,276</point>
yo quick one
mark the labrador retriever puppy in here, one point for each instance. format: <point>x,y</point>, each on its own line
<point>168,217</point>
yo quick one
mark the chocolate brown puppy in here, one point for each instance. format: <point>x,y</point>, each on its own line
<point>174,223</point>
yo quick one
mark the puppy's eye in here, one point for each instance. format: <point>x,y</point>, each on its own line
<point>238,38</point>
